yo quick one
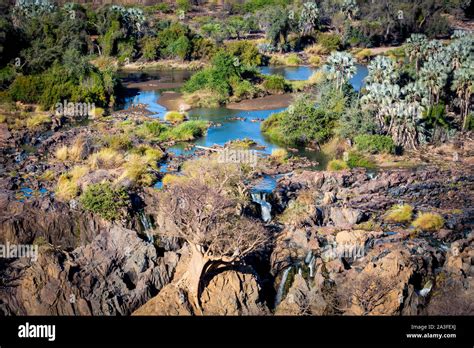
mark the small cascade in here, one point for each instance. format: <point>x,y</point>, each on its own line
<point>147,226</point>
<point>310,260</point>
<point>281,287</point>
<point>260,198</point>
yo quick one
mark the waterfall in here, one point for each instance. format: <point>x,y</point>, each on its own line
<point>281,287</point>
<point>147,226</point>
<point>259,198</point>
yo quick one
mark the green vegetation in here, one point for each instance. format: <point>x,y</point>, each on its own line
<point>175,117</point>
<point>337,165</point>
<point>103,199</point>
<point>275,84</point>
<point>429,222</point>
<point>306,121</point>
<point>400,213</point>
<point>357,160</point>
<point>189,130</point>
<point>374,143</point>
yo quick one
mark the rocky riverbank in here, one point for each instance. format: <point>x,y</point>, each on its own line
<point>332,249</point>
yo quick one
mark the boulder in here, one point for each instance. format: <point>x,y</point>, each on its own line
<point>113,275</point>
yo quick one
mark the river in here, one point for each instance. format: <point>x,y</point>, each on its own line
<point>230,128</point>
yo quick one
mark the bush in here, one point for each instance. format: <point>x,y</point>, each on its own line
<point>375,143</point>
<point>293,60</point>
<point>314,60</point>
<point>150,129</point>
<point>105,200</point>
<point>337,165</point>
<point>175,117</point>
<point>246,52</point>
<point>106,159</point>
<point>399,213</point>
<point>244,89</point>
<point>67,187</point>
<point>275,84</point>
<point>363,55</point>
<point>187,131</point>
<point>356,160</point>
<point>37,120</point>
<point>184,5</point>
<point>136,170</point>
<point>117,141</point>
<point>429,222</point>
<point>61,153</point>
<point>279,155</point>
<point>329,42</point>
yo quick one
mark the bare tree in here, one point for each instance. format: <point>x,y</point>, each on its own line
<point>368,292</point>
<point>208,222</point>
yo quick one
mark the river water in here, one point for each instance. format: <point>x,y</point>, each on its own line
<point>230,128</point>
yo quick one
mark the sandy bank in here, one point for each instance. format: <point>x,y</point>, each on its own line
<point>265,103</point>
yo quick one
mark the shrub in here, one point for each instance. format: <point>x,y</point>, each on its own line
<point>184,5</point>
<point>150,129</point>
<point>245,51</point>
<point>186,131</point>
<point>48,175</point>
<point>292,60</point>
<point>244,89</point>
<point>279,155</point>
<point>151,155</point>
<point>3,118</point>
<point>175,117</point>
<point>337,165</point>
<point>78,150</point>
<point>399,213</point>
<point>429,222</point>
<point>67,187</point>
<point>117,141</point>
<point>329,42</point>
<point>275,84</point>
<point>37,120</point>
<point>356,160</point>
<point>105,200</point>
<point>363,55</point>
<point>106,159</point>
<point>375,143</point>
<point>314,60</point>
<point>97,113</point>
<point>171,179</point>
<point>61,153</point>
<point>136,170</point>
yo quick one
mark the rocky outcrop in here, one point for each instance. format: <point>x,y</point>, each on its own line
<point>113,275</point>
<point>233,293</point>
<point>46,219</point>
<point>349,261</point>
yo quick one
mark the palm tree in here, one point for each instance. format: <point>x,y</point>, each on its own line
<point>309,18</point>
<point>382,70</point>
<point>414,48</point>
<point>460,50</point>
<point>340,67</point>
<point>434,76</point>
<point>350,9</point>
<point>463,84</point>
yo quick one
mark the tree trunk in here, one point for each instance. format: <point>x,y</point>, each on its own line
<point>194,274</point>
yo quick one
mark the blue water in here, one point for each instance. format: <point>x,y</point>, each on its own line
<point>305,72</point>
<point>231,129</point>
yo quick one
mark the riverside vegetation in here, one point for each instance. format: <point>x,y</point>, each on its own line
<point>132,217</point>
